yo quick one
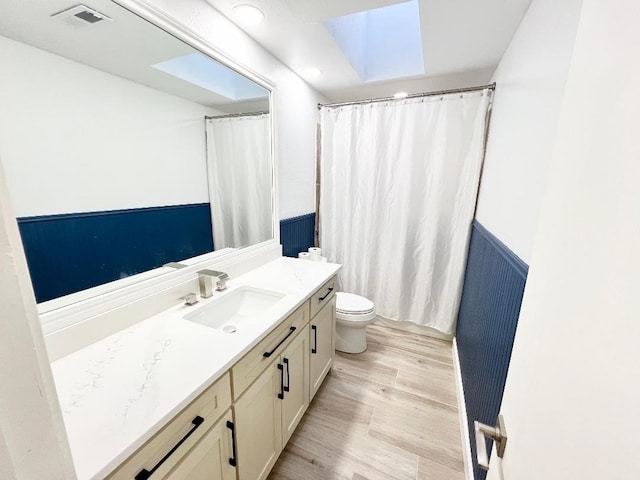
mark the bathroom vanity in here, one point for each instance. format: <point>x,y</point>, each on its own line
<point>213,390</point>
<point>149,387</point>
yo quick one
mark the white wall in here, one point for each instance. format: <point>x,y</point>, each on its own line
<point>295,108</point>
<point>531,80</point>
<point>572,393</point>
<point>75,139</point>
<point>33,441</point>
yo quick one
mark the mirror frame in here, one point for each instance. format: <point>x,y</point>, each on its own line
<point>71,309</point>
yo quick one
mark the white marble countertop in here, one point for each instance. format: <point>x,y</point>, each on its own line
<point>117,393</point>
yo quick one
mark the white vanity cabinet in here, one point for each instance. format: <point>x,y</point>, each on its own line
<point>269,410</point>
<point>322,328</point>
<point>238,427</point>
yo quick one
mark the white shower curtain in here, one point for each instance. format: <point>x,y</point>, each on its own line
<point>239,169</point>
<point>398,189</point>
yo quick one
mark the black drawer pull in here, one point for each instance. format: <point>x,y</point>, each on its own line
<point>233,461</point>
<point>286,363</point>
<point>144,474</point>
<point>281,394</point>
<point>268,354</point>
<point>326,294</point>
<point>314,349</point>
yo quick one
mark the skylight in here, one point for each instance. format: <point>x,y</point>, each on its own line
<point>200,70</point>
<point>383,43</point>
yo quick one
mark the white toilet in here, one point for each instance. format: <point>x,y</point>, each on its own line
<point>353,314</point>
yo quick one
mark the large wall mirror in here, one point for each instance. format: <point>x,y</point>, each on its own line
<point>124,148</point>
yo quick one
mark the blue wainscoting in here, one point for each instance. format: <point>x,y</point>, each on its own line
<point>492,294</point>
<point>296,234</point>
<point>71,252</point>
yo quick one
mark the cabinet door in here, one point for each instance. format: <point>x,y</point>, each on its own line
<point>258,425</point>
<point>209,458</point>
<point>322,345</point>
<point>295,362</point>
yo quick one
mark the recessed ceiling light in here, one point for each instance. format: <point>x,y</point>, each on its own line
<point>311,72</point>
<point>401,95</point>
<point>248,15</point>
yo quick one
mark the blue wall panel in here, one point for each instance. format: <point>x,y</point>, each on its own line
<point>72,252</point>
<point>491,298</point>
<point>296,234</point>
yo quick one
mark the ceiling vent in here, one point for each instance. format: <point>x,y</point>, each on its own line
<point>80,16</point>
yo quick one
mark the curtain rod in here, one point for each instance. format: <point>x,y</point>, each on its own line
<point>232,115</point>
<point>491,86</point>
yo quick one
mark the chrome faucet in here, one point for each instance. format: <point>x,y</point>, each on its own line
<point>205,281</point>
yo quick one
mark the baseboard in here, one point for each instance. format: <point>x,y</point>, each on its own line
<point>462,410</point>
<point>412,328</point>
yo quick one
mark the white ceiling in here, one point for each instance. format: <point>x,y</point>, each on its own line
<point>463,41</point>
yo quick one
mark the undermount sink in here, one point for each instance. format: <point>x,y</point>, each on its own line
<point>235,308</point>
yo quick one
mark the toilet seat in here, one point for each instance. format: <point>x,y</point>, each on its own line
<point>354,306</point>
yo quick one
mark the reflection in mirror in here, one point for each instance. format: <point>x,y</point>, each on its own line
<point>123,147</point>
<point>239,179</point>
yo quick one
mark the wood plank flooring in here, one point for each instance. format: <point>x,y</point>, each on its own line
<point>389,413</point>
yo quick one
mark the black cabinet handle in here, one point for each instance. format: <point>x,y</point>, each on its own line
<point>326,294</point>
<point>144,474</point>
<point>281,394</point>
<point>268,354</point>
<point>286,363</point>
<point>314,349</point>
<point>233,461</point>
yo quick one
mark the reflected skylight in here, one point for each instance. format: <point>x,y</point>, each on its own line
<point>383,43</point>
<point>200,70</point>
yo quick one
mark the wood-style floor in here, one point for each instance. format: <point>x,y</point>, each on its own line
<point>389,413</point>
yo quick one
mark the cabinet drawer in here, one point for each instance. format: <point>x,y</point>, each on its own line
<point>323,296</point>
<point>210,406</point>
<point>253,363</point>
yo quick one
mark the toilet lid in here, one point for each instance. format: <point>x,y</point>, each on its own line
<point>352,304</point>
